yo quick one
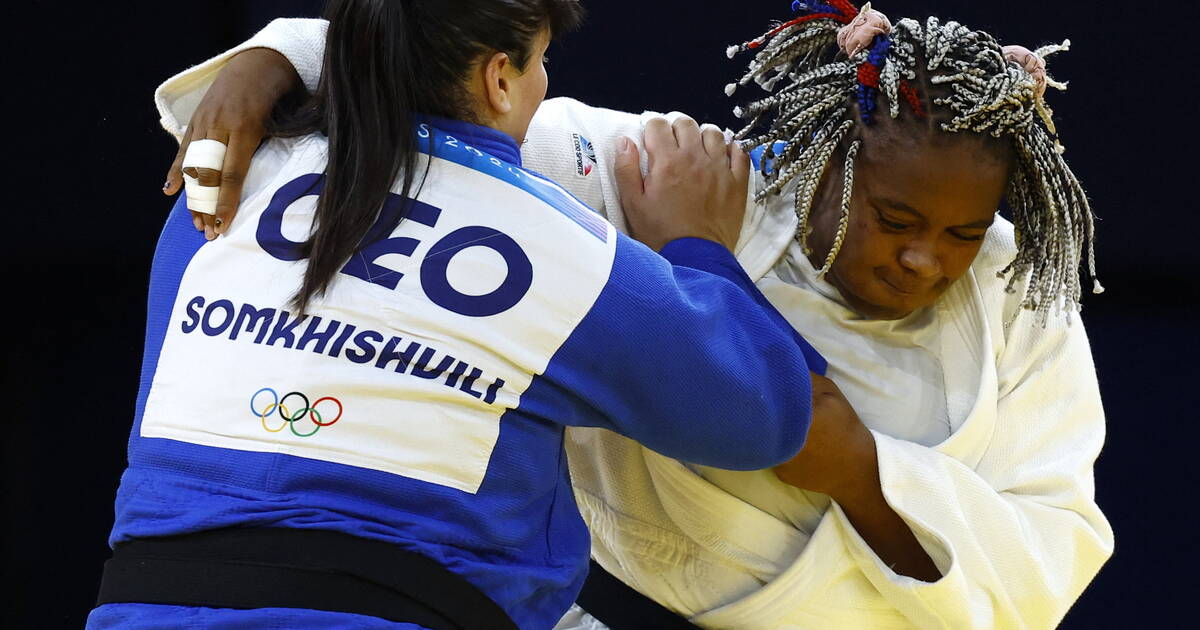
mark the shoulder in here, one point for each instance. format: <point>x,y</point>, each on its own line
<point>1002,296</point>
<point>998,251</point>
<point>278,151</point>
<point>284,157</point>
<point>560,124</point>
<point>999,248</point>
<point>574,144</point>
<point>567,112</point>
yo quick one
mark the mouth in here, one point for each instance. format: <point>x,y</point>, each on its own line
<point>896,289</point>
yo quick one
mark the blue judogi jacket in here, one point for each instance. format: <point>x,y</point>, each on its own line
<point>423,399</point>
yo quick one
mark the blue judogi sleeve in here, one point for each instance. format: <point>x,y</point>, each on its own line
<point>704,255</point>
<point>687,359</point>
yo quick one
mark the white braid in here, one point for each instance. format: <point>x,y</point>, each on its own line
<point>844,217</point>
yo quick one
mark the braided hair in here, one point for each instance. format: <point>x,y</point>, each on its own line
<point>827,97</point>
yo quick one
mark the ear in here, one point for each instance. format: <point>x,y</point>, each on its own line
<point>496,85</point>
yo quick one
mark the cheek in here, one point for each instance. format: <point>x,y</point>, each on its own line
<point>863,249</point>
<point>541,85</point>
<point>957,260</point>
<point>865,245</point>
<point>532,94</point>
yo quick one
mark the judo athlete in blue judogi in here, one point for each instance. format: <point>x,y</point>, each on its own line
<point>390,453</point>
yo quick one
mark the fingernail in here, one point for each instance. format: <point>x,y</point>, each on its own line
<point>166,185</point>
<point>198,223</point>
<point>625,145</point>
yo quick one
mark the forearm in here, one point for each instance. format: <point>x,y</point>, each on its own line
<point>301,41</point>
<point>1004,558</point>
<point>695,318</point>
<point>1006,513</point>
<point>880,526</point>
<point>705,257</point>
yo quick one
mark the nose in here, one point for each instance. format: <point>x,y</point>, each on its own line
<point>920,258</point>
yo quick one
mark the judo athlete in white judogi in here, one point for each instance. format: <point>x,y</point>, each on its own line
<point>986,416</point>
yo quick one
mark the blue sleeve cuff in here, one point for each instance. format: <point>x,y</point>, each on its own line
<point>705,255</point>
<point>712,257</point>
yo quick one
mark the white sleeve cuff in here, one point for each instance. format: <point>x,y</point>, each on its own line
<point>301,40</point>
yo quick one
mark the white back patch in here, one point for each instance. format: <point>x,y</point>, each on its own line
<point>392,371</point>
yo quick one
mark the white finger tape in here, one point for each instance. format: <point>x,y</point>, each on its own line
<point>203,206</point>
<point>205,154</point>
<point>201,199</point>
<point>203,193</point>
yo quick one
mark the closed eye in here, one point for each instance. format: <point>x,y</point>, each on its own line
<point>889,224</point>
<point>967,237</point>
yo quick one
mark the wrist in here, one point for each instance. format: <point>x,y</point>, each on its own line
<point>268,68</point>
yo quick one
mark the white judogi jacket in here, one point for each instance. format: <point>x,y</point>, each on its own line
<point>986,433</point>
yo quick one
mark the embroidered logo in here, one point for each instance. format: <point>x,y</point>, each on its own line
<point>585,155</point>
<point>289,417</point>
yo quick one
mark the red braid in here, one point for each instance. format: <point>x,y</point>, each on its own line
<point>846,9</point>
<point>914,100</point>
<point>800,20</point>
<point>868,74</point>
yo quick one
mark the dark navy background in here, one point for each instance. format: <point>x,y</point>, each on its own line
<point>89,158</point>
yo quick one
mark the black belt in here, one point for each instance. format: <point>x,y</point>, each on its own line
<point>296,568</point>
<point>619,607</point>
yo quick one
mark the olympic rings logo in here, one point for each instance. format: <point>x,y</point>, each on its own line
<point>279,405</point>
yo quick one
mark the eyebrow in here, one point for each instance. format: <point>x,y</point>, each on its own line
<point>900,206</point>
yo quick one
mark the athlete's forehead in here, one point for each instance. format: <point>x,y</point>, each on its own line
<point>955,183</point>
<point>887,138</point>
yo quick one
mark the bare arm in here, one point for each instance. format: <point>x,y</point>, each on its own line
<point>839,459</point>
<point>234,111</point>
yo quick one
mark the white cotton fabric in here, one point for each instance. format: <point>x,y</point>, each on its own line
<point>201,199</point>
<point>204,154</point>
<point>986,436</point>
<point>304,42</point>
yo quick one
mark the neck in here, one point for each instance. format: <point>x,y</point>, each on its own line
<point>486,139</point>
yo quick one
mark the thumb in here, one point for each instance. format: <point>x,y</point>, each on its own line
<point>628,170</point>
<point>175,174</point>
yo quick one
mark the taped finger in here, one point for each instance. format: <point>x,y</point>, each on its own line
<point>206,154</point>
<point>202,199</point>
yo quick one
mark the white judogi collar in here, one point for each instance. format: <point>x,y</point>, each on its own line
<point>887,369</point>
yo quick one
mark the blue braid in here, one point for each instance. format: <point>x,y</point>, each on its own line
<point>879,50</point>
<point>814,6</point>
<point>867,95</point>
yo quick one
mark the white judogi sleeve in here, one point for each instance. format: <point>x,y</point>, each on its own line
<point>1005,505</point>
<point>1017,535</point>
<point>301,40</point>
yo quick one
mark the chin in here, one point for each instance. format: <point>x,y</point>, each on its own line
<point>886,305</point>
<point>876,300</point>
<point>875,311</point>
